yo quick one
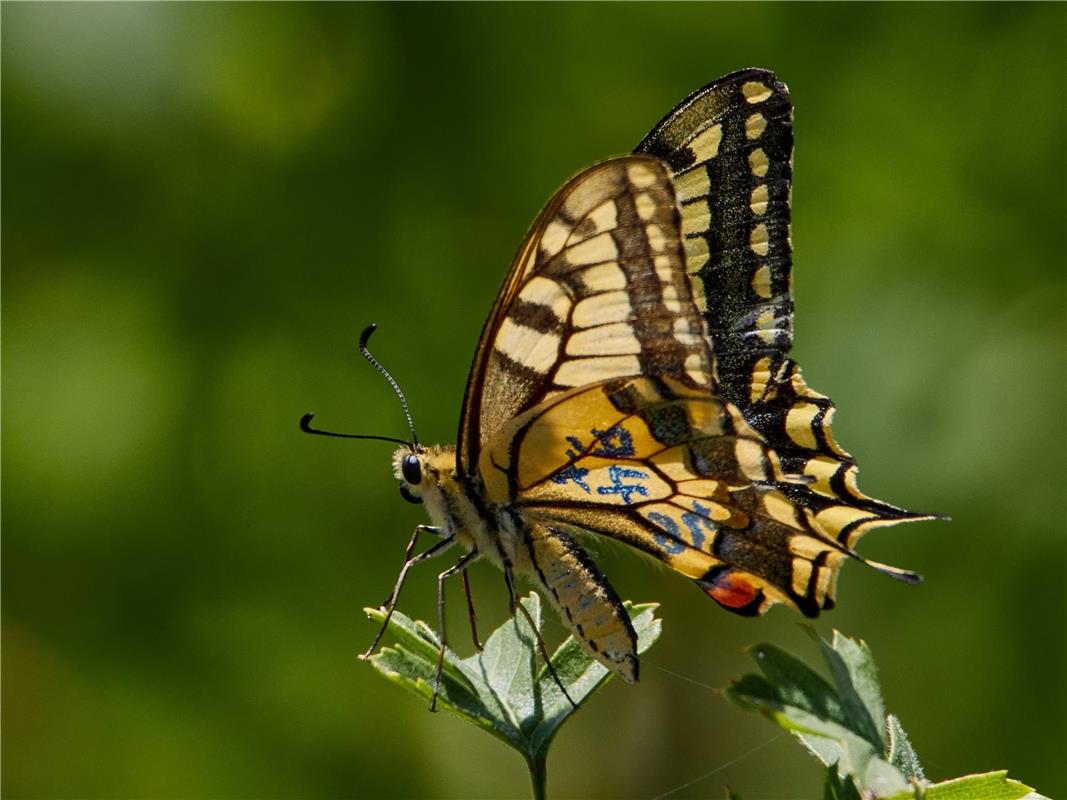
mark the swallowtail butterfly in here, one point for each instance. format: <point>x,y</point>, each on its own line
<point>633,381</point>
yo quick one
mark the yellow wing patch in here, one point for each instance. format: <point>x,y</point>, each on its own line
<point>678,474</point>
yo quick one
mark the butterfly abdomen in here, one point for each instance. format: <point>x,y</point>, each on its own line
<point>582,597</point>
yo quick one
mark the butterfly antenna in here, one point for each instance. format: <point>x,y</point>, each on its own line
<point>363,339</point>
<point>305,426</point>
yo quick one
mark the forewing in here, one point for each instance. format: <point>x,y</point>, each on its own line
<point>729,147</point>
<point>598,291</point>
<point>673,471</point>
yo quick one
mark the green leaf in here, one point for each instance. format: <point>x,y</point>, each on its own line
<point>901,754</point>
<point>839,787</point>
<point>506,690</point>
<point>844,725</point>
<point>834,722</point>
<point>856,678</point>
<point>986,786</point>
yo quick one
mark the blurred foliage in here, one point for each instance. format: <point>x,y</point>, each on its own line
<point>203,204</point>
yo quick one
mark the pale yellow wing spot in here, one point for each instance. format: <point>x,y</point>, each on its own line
<point>598,249</point>
<point>757,240</point>
<point>600,309</point>
<point>758,200</point>
<point>554,238</point>
<point>603,218</point>
<point>608,340</point>
<point>657,238</point>
<point>697,219</point>
<point>696,369</point>
<point>544,292</point>
<point>755,92</point>
<point>641,176</point>
<point>780,509</point>
<point>750,458</point>
<point>692,183</point>
<point>706,144</point>
<point>580,371</point>
<point>526,346</point>
<point>696,256</point>
<point>761,281</point>
<point>761,376</point>
<point>700,299</point>
<point>801,575</point>
<point>755,125</point>
<point>646,206</point>
<point>603,277</point>
<point>766,325</point>
<point>798,424</point>
<point>758,162</point>
<point>666,270</point>
<point>671,300</point>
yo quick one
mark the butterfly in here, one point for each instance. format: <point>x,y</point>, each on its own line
<point>633,382</point>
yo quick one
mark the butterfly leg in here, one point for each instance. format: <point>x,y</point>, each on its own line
<point>411,549</point>
<point>442,635</point>
<point>509,579</point>
<point>409,562</point>
<point>471,613</point>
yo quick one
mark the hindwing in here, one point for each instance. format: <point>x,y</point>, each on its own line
<point>729,148</point>
<point>677,473</point>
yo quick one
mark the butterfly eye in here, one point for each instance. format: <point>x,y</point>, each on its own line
<point>405,492</point>
<point>411,469</point>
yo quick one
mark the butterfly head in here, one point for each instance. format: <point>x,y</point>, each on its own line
<point>422,471</point>
<point>417,468</point>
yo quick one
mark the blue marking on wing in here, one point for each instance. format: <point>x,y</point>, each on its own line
<point>698,522</point>
<point>573,472</point>
<point>671,540</point>
<point>615,442</point>
<point>617,473</point>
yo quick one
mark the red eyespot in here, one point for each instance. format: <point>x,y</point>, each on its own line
<point>732,591</point>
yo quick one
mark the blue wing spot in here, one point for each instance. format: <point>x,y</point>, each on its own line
<point>617,473</point>
<point>615,442</point>
<point>573,472</point>
<point>671,540</point>
<point>697,523</point>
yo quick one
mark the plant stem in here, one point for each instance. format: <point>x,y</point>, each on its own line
<point>538,767</point>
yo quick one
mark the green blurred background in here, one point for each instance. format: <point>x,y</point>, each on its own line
<point>204,204</point>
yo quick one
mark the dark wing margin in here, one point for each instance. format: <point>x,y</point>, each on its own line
<point>729,147</point>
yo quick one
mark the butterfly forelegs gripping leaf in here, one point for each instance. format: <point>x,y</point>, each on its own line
<point>506,689</point>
